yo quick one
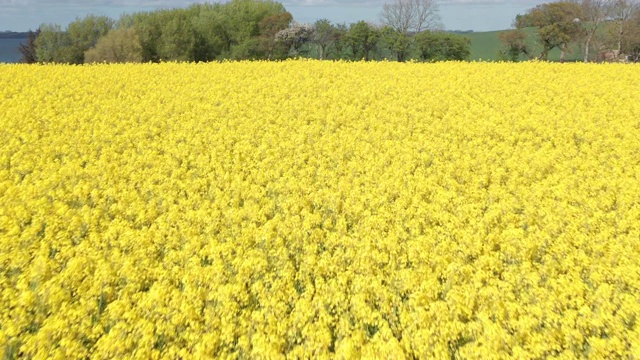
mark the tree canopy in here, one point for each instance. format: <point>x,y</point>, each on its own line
<point>264,29</point>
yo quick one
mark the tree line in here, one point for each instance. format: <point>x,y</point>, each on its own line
<point>602,30</point>
<point>246,29</point>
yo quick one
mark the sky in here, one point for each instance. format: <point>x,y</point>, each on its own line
<point>476,15</point>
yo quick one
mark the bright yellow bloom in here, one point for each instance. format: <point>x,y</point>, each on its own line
<point>307,209</point>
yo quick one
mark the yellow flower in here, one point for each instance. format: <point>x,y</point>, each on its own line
<point>308,209</point>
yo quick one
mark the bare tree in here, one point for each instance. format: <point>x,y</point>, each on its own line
<point>28,50</point>
<point>621,11</point>
<point>631,43</point>
<point>410,15</point>
<point>594,13</point>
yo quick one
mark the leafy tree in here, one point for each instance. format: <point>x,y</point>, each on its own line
<point>51,44</point>
<point>558,25</point>
<point>175,34</point>
<point>269,27</point>
<point>514,45</point>
<point>118,46</point>
<point>28,50</point>
<point>211,31</point>
<point>325,35</point>
<point>244,50</point>
<point>84,34</point>
<point>177,37</point>
<point>441,46</point>
<point>341,42</point>
<point>242,19</point>
<point>363,39</point>
<point>238,29</point>
<point>396,42</point>
<point>148,26</point>
<point>55,45</point>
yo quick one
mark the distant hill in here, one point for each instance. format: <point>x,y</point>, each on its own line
<point>460,31</point>
<point>13,35</point>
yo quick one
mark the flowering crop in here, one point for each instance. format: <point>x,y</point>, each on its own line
<point>307,209</point>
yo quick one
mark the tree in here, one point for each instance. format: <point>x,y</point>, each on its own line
<point>237,29</point>
<point>241,21</point>
<point>324,35</point>
<point>84,33</point>
<point>55,45</point>
<point>410,15</point>
<point>363,39</point>
<point>403,17</point>
<point>118,46</point>
<point>630,40</point>
<point>233,30</point>
<point>594,13</point>
<point>148,26</point>
<point>28,50</point>
<point>558,25</point>
<point>51,44</point>
<point>342,42</point>
<point>622,11</point>
<point>212,33</point>
<point>269,27</point>
<point>398,43</point>
<point>441,46</point>
<point>514,45</point>
<point>177,37</point>
<point>294,37</point>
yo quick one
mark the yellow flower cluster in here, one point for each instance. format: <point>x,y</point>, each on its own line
<point>307,209</point>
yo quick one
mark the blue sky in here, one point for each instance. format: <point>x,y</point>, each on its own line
<point>478,15</point>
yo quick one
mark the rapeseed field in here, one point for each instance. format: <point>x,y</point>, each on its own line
<point>308,209</point>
